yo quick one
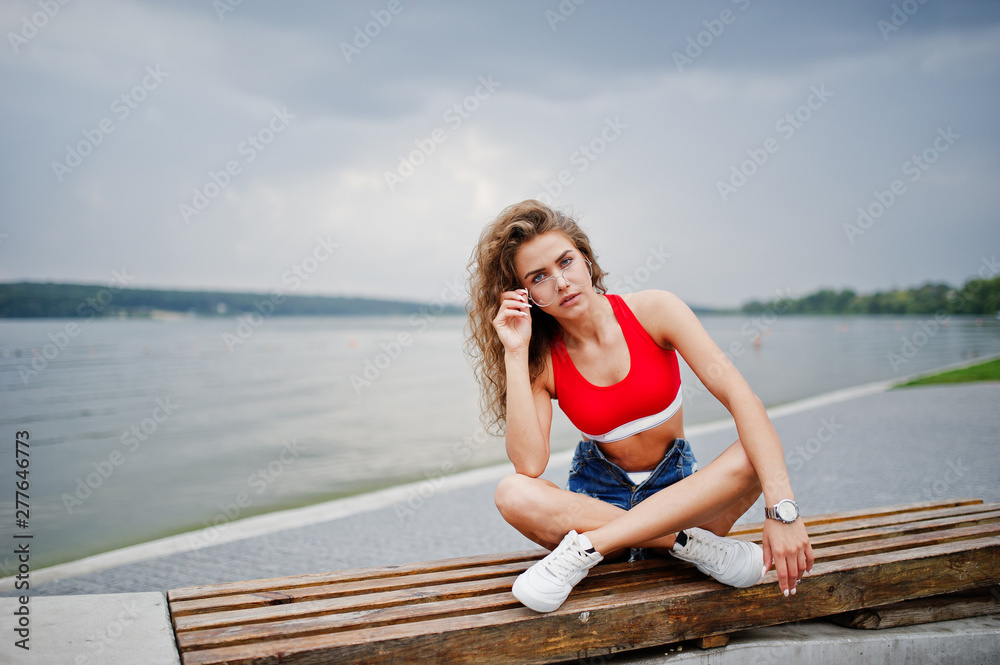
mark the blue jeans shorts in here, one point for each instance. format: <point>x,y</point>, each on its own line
<point>592,474</point>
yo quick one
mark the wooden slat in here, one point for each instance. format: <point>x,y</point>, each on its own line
<point>609,578</point>
<point>956,513</point>
<point>329,623</point>
<point>931,525</point>
<point>349,594</point>
<point>346,588</point>
<point>317,579</point>
<point>948,607</point>
<point>826,518</point>
<point>904,542</point>
<point>461,610</point>
<point>634,619</point>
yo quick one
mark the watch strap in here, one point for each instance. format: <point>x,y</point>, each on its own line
<point>771,512</point>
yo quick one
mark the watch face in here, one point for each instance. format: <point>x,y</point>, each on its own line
<point>786,511</point>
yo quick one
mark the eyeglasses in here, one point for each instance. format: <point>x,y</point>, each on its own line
<point>577,273</point>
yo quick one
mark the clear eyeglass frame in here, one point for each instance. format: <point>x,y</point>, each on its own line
<point>549,282</point>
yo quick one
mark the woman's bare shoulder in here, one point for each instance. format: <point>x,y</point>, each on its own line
<point>654,302</point>
<point>659,312</point>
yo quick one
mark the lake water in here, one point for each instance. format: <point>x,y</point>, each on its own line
<point>146,428</point>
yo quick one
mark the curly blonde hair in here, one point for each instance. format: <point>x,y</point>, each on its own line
<point>491,272</point>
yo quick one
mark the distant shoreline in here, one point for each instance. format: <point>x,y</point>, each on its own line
<point>20,300</point>
<point>24,300</point>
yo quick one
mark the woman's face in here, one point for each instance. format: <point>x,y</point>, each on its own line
<point>554,271</point>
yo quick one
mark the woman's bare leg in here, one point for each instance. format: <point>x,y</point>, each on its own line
<point>544,513</point>
<point>714,498</point>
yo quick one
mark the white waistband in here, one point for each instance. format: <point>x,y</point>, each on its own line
<point>639,424</point>
<point>638,477</point>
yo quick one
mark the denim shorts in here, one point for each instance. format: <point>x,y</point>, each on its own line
<point>592,474</point>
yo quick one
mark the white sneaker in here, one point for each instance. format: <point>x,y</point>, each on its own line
<point>730,561</point>
<point>545,586</point>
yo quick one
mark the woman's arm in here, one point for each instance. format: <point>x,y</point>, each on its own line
<point>529,417</point>
<point>672,323</point>
<point>529,407</point>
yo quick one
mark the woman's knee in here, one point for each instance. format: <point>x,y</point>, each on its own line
<point>518,494</point>
<point>511,494</point>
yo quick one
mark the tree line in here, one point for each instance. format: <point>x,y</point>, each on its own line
<point>26,299</point>
<point>980,297</point>
<point>975,297</point>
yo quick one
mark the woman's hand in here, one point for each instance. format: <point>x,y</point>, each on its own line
<point>787,547</point>
<point>513,322</point>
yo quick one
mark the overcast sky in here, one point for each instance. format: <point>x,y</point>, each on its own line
<point>720,150</point>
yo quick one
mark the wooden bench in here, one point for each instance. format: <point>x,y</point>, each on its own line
<point>462,611</point>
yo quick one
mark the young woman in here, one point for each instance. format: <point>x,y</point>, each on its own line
<point>542,328</point>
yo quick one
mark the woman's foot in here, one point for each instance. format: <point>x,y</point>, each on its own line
<point>734,562</point>
<point>545,586</point>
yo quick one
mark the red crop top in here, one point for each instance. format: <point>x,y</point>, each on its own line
<point>648,395</point>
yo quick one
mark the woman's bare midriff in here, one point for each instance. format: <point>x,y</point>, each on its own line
<point>643,451</point>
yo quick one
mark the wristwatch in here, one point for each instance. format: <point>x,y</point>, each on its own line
<point>786,511</point>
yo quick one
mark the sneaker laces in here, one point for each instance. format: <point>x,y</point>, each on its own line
<point>561,565</point>
<point>710,553</point>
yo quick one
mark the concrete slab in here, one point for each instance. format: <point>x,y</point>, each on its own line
<point>102,629</point>
<point>974,641</point>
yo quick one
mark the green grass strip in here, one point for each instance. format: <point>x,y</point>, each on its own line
<point>987,371</point>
